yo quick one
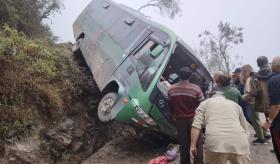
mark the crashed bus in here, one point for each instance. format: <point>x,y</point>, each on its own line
<point>133,61</point>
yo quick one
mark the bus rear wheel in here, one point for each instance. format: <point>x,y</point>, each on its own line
<point>76,47</point>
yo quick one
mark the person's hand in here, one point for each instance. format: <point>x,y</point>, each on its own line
<point>173,118</point>
<point>267,125</point>
<point>193,151</point>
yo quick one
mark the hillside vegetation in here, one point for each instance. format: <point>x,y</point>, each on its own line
<point>47,102</point>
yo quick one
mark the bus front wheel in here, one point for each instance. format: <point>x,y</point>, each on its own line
<point>104,110</point>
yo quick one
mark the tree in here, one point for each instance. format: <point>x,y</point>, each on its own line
<point>27,15</point>
<point>169,7</point>
<point>214,50</point>
<point>48,7</point>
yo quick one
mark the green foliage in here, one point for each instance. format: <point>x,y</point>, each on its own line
<point>14,121</point>
<point>215,49</point>
<point>32,56</point>
<point>25,63</point>
<point>27,15</point>
<point>38,83</point>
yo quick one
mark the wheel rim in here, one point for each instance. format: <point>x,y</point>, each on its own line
<point>105,108</point>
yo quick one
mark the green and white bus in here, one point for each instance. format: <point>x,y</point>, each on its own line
<point>133,61</point>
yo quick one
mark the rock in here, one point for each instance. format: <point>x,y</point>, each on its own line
<point>60,140</point>
<point>2,150</point>
<point>61,137</point>
<point>76,146</point>
<point>79,132</point>
<point>67,125</point>
<point>12,158</point>
<point>55,154</point>
<point>50,133</point>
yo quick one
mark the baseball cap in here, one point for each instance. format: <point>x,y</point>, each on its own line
<point>237,70</point>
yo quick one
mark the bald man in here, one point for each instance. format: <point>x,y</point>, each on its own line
<point>273,120</point>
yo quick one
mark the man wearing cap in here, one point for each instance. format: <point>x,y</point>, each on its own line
<point>273,119</point>
<point>236,80</point>
<point>184,98</point>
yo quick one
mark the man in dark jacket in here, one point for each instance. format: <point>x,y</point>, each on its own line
<point>261,93</point>
<point>273,120</point>
<point>259,88</point>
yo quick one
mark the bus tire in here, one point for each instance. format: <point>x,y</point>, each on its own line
<point>105,105</point>
<point>76,47</point>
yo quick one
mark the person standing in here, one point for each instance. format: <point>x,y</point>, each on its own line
<point>225,136</point>
<point>273,119</point>
<point>247,73</point>
<point>236,80</point>
<point>239,84</point>
<point>262,77</point>
<point>216,77</point>
<point>259,88</point>
<point>184,97</point>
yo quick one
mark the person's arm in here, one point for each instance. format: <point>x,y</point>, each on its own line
<point>273,87</point>
<point>194,137</point>
<point>242,120</point>
<point>254,87</point>
<point>198,121</point>
<point>239,97</point>
<point>200,96</point>
<point>250,91</point>
<point>274,111</point>
<point>170,105</point>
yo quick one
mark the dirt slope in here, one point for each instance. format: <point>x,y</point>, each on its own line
<point>53,121</point>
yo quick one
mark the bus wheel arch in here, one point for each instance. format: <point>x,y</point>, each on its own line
<point>76,49</point>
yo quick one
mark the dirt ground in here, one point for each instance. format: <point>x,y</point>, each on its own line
<point>133,149</point>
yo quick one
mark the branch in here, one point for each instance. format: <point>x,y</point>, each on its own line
<point>148,5</point>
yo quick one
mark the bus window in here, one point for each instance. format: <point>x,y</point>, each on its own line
<point>146,65</point>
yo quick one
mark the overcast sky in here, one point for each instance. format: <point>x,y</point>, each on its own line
<point>259,18</point>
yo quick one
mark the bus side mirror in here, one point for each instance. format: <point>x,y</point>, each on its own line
<point>157,51</point>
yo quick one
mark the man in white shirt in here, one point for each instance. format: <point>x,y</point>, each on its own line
<point>225,136</point>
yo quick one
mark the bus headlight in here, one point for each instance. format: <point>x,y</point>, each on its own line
<point>144,116</point>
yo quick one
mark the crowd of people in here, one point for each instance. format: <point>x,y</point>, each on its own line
<point>215,130</point>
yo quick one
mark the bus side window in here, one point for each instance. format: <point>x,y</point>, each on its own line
<point>149,46</point>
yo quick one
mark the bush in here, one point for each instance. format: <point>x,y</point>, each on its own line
<point>32,78</point>
<point>33,56</point>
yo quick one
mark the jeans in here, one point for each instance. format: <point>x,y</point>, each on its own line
<point>257,124</point>
<point>247,111</point>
